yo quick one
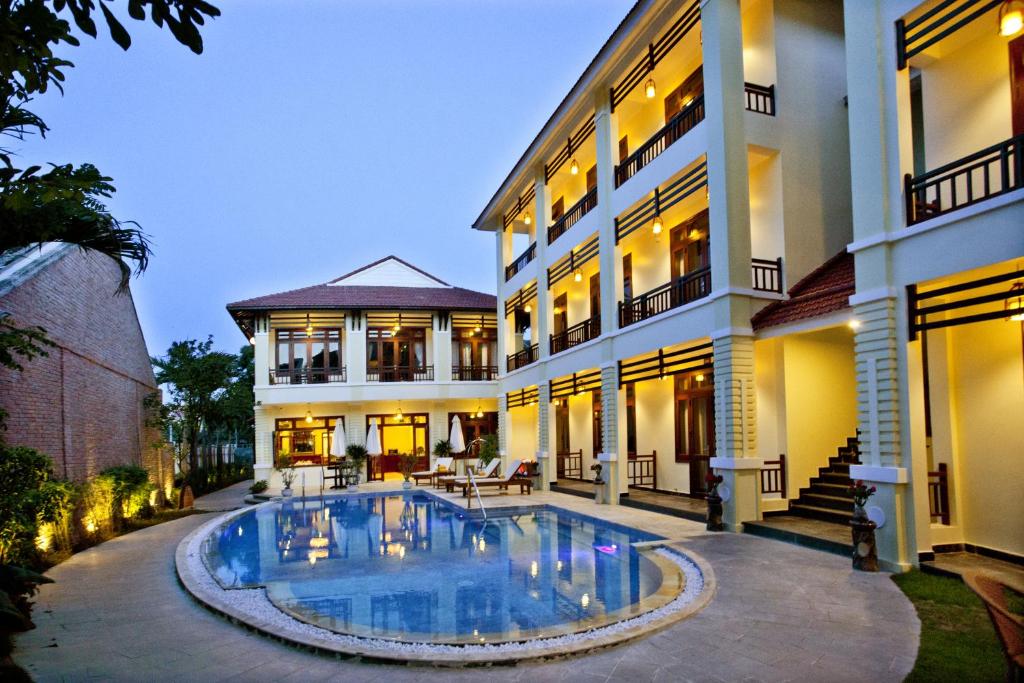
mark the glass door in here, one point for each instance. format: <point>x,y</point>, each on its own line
<point>695,426</point>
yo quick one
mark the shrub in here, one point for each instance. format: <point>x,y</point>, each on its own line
<point>488,449</point>
<point>131,490</point>
<point>29,497</point>
<point>259,487</point>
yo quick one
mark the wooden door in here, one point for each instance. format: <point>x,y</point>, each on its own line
<point>623,148</point>
<point>1016,47</point>
<point>557,209</point>
<point>689,245</point>
<point>678,99</point>
<point>627,277</point>
<point>597,440</point>
<point>595,295</point>
<point>695,426</point>
<point>561,435</point>
<point>561,316</point>
<point>591,177</point>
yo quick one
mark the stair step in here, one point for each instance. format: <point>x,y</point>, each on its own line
<point>826,477</point>
<point>829,489</point>
<point>824,514</point>
<point>826,501</point>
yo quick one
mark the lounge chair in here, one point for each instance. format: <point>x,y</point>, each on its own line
<point>452,481</point>
<point>511,478</point>
<point>1009,627</point>
<point>441,466</point>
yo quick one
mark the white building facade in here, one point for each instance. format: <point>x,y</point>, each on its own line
<point>704,260</point>
<point>388,342</point>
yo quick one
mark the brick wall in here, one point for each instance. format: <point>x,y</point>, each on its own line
<point>82,404</point>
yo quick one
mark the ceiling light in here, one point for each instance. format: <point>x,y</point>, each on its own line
<point>527,218</point>
<point>649,88</point>
<point>1011,17</point>
<point>309,326</point>
<point>252,340</point>
<point>574,167</point>
<point>658,225</point>
<point>854,324</point>
<point>528,309</point>
<point>578,275</point>
<point>309,417</point>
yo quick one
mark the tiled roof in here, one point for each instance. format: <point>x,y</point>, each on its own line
<point>826,289</point>
<point>329,296</point>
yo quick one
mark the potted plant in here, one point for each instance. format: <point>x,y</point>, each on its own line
<point>488,450</point>
<point>865,553</point>
<point>356,456</point>
<point>714,522</point>
<point>442,448</point>
<point>287,477</point>
<point>407,465</point>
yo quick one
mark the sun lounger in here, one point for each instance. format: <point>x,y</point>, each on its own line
<point>441,466</point>
<point>451,482</point>
<point>511,478</point>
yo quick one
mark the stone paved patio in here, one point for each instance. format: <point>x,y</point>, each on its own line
<point>781,613</point>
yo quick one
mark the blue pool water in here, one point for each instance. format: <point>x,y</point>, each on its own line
<point>411,567</point>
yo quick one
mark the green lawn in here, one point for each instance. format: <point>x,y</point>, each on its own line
<point>958,642</point>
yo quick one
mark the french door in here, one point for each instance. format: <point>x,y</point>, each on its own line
<point>695,426</point>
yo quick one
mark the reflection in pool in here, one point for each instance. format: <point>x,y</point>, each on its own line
<point>411,567</point>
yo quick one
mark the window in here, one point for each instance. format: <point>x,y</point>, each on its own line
<point>299,443</point>
<point>308,357</point>
<point>386,348</point>
<point>473,353</point>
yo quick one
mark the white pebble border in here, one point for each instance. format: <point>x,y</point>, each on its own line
<point>251,607</point>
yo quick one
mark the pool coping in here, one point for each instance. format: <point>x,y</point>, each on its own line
<point>252,608</point>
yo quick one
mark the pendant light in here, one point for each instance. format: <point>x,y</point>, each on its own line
<point>398,325</point>
<point>1011,17</point>
<point>309,326</point>
<point>658,224</point>
<point>574,167</point>
<point>527,218</point>
<point>399,417</point>
<point>578,275</point>
<point>528,309</point>
<point>1015,305</point>
<point>649,88</point>
<point>309,417</point>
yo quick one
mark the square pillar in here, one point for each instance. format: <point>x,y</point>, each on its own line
<point>606,138</point>
<point>880,346</point>
<point>736,429</point>
<point>545,447</point>
<point>614,470</point>
<point>263,449</point>
<point>542,307</point>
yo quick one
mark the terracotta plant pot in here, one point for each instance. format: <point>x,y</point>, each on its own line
<point>715,514</point>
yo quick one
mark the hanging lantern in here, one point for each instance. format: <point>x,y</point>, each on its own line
<point>649,89</point>
<point>1011,17</point>
<point>399,417</point>
<point>578,275</point>
<point>528,309</point>
<point>527,218</point>
<point>658,225</point>
<point>309,326</point>
<point>309,417</point>
<point>574,167</point>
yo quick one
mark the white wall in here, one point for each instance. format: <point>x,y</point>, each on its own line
<point>766,230</point>
<point>522,432</point>
<point>988,386</point>
<point>821,401</point>
<point>655,430</point>
<point>758,42</point>
<point>581,431</point>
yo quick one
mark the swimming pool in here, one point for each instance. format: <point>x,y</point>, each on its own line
<point>411,567</point>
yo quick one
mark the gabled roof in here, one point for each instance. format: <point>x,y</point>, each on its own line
<point>389,283</point>
<point>826,289</point>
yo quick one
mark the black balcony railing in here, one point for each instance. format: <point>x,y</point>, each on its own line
<point>677,127</point>
<point>938,494</point>
<point>569,218</point>
<point>575,335</point>
<point>760,99</point>
<point>642,470</point>
<point>521,261</point>
<point>474,373</point>
<point>773,476</point>
<point>681,291</point>
<point>400,373</point>
<point>522,358</point>
<point>993,171</point>
<point>766,275</point>
<point>308,376</point>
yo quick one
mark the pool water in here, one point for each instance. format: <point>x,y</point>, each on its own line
<point>411,567</point>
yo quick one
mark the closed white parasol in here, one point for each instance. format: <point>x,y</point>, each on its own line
<point>338,443</point>
<point>457,441</point>
<point>373,438</point>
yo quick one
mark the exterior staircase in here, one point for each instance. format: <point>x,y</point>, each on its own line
<point>828,497</point>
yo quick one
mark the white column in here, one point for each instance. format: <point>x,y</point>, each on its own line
<point>542,307</point>
<point>614,471</point>
<point>545,452</point>
<point>355,347</point>
<point>263,449</point>
<point>442,347</point>
<point>728,190</point>
<point>263,350</point>
<point>502,244</point>
<point>606,138</point>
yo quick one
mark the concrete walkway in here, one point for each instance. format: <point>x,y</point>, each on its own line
<point>229,498</point>
<point>781,613</point>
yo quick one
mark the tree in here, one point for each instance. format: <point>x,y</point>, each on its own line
<point>197,378</point>
<point>64,203</point>
<point>235,414</point>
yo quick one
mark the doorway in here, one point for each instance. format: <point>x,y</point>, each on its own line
<point>695,426</point>
<point>398,435</point>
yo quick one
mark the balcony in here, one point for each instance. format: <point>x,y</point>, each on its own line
<point>309,376</point>
<point>766,275</point>
<point>521,261</point>
<point>522,358</point>
<point>400,373</point>
<point>760,99</point>
<point>570,217</point>
<point>988,173</point>
<point>474,373</point>
<point>680,124</point>
<point>576,335</point>
<point>679,292</point>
